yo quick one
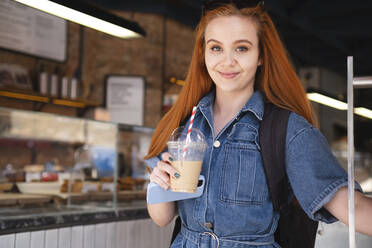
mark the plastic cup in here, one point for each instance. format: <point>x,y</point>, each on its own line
<point>187,154</point>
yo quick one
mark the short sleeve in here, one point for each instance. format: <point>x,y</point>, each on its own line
<point>313,172</point>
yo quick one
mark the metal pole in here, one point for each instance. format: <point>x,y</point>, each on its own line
<point>350,149</point>
<point>362,82</point>
<point>116,170</point>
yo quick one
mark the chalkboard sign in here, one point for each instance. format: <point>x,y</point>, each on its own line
<point>30,31</point>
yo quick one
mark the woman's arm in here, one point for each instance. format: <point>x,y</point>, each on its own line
<point>162,213</point>
<point>338,207</point>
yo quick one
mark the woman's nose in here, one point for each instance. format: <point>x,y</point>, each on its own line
<point>229,59</point>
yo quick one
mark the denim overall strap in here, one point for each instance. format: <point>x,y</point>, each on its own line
<point>204,239</point>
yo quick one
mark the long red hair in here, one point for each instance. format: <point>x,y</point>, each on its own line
<point>275,78</point>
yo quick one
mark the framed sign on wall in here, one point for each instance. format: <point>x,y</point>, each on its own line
<point>125,98</point>
<point>29,31</point>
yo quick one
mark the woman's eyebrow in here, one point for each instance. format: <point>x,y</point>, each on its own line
<point>243,41</point>
<point>213,40</point>
<point>237,41</point>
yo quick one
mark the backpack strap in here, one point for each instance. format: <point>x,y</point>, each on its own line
<point>293,220</point>
<point>272,133</point>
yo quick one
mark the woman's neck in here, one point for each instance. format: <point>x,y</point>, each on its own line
<point>226,106</point>
<point>230,103</point>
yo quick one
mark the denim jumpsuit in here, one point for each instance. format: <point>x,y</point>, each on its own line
<point>235,209</point>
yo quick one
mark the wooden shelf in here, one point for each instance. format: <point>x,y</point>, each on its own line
<point>69,103</point>
<point>23,96</point>
<point>45,99</point>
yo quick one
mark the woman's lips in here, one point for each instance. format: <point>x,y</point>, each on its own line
<point>229,74</point>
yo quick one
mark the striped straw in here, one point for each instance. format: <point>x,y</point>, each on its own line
<point>189,132</point>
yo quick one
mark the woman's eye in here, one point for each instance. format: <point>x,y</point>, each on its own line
<point>242,49</point>
<point>215,49</point>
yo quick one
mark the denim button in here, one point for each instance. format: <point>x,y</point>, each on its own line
<point>217,144</point>
<point>208,225</point>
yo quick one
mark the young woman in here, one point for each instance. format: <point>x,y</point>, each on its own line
<point>237,65</point>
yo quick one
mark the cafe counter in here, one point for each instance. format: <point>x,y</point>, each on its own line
<point>84,226</point>
<point>57,178</point>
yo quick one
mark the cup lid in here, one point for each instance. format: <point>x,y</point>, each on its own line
<point>179,137</point>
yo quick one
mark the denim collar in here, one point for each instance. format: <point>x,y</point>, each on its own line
<point>255,103</point>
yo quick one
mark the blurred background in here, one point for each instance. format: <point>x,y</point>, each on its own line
<point>76,100</point>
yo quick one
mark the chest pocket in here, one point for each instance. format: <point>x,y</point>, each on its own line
<point>243,180</point>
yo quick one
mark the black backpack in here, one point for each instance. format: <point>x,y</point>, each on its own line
<point>295,228</point>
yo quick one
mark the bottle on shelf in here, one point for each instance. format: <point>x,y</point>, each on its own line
<point>64,93</point>
<point>43,80</point>
<point>74,88</point>
<point>74,85</point>
<point>54,83</point>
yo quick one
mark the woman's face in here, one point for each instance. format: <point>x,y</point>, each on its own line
<point>232,53</point>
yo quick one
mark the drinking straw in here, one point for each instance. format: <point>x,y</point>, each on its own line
<point>189,131</point>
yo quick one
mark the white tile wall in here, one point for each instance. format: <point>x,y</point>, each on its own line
<point>132,234</point>
<point>37,239</point>
<point>143,234</point>
<point>111,234</point>
<point>7,241</point>
<point>76,237</point>
<point>22,240</point>
<point>100,235</point>
<point>64,237</point>
<point>88,236</point>
<point>51,238</point>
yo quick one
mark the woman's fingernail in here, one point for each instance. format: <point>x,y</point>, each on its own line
<point>171,159</point>
<point>176,175</point>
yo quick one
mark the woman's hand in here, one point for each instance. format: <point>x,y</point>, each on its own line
<point>163,171</point>
<point>163,213</point>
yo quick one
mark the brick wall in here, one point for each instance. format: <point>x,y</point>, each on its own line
<point>163,53</point>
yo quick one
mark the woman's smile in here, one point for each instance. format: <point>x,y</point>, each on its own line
<point>228,75</point>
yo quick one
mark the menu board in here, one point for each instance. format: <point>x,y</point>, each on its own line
<point>28,30</point>
<point>125,99</point>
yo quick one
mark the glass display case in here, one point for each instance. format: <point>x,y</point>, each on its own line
<point>51,159</point>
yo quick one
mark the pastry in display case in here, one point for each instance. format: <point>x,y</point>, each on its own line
<point>69,161</point>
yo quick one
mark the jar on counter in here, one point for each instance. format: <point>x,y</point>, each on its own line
<point>13,175</point>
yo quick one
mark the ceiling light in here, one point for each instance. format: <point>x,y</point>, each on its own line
<point>325,100</point>
<point>89,16</point>
<point>363,112</point>
<point>337,104</point>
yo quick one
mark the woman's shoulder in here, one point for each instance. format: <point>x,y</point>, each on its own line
<point>297,121</point>
<point>297,124</point>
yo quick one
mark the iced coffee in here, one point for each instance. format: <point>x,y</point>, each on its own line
<point>187,152</point>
